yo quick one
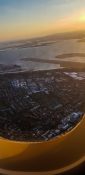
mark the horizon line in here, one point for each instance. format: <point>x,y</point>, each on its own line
<point>41,36</point>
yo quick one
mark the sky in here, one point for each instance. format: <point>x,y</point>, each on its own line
<point>31,18</point>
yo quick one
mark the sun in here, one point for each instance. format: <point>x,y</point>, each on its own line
<point>82,17</point>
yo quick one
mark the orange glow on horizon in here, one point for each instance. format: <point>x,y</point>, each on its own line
<point>23,30</point>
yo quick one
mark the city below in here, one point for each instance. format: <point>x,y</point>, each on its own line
<point>41,105</point>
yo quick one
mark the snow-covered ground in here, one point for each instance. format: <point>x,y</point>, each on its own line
<point>76,75</point>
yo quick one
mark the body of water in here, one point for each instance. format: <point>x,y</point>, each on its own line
<point>49,52</point>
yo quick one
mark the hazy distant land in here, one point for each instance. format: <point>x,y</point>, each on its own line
<point>44,41</point>
<point>67,55</point>
<point>81,40</point>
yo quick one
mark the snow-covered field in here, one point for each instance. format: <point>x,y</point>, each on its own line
<point>75,75</point>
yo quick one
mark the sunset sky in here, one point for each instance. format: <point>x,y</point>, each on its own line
<point>30,18</point>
